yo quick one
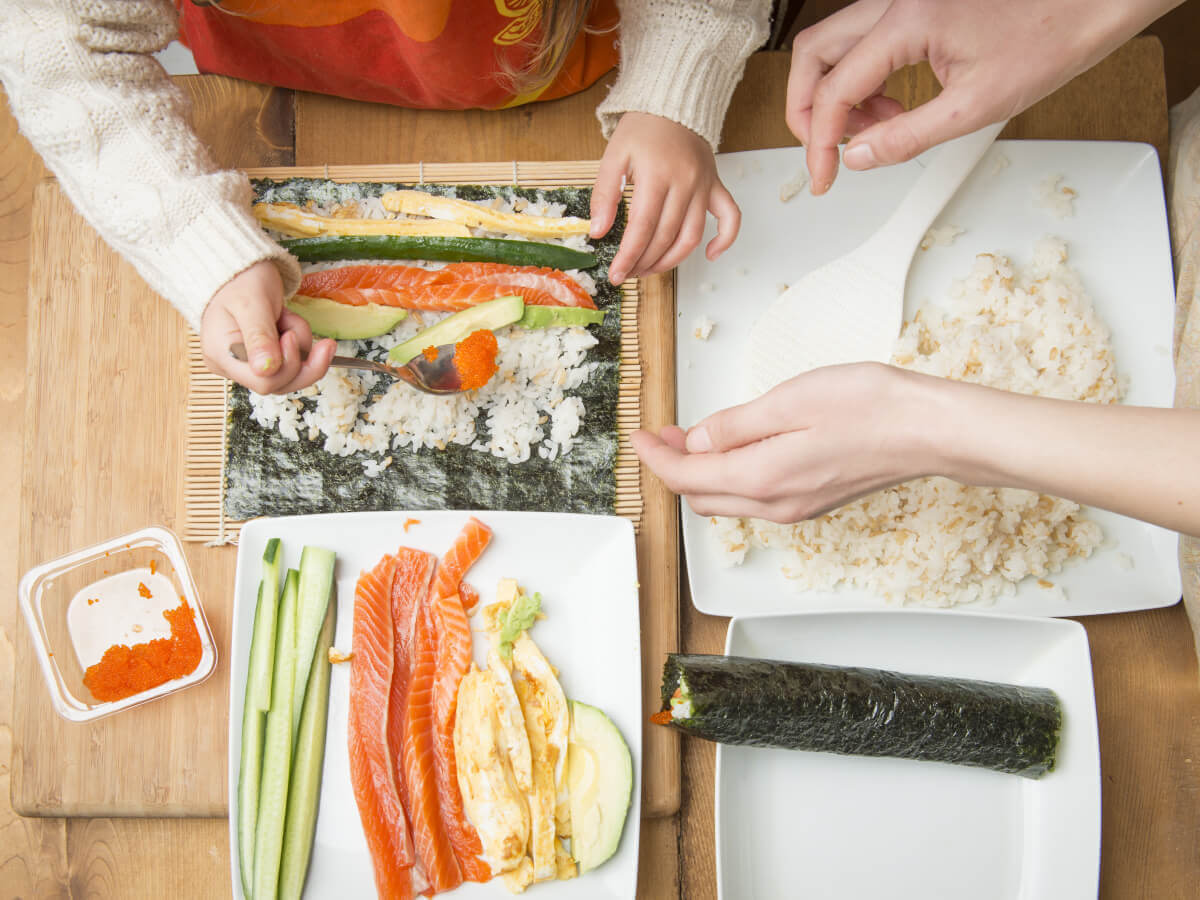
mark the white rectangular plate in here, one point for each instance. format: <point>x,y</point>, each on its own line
<point>817,825</point>
<point>586,571</point>
<point>1117,240</point>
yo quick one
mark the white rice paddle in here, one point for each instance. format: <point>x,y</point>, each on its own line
<point>851,309</point>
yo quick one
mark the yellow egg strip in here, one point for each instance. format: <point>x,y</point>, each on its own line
<point>418,203</point>
<point>296,222</point>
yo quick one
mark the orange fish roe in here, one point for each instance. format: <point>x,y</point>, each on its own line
<point>475,358</point>
<point>124,671</point>
<point>430,353</point>
<point>143,590</point>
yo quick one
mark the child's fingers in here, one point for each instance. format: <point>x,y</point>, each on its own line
<point>643,216</point>
<point>689,237</point>
<point>606,192</point>
<point>675,208</point>
<point>729,220</point>
<point>313,368</point>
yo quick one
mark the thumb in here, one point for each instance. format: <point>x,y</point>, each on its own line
<point>606,193</point>
<point>910,134</point>
<point>260,334</point>
<point>738,426</point>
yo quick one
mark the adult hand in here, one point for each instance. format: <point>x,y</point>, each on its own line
<point>675,183</point>
<point>249,310</point>
<point>809,445</point>
<point>993,60</point>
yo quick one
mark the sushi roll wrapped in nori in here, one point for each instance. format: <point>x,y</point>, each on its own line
<point>865,712</point>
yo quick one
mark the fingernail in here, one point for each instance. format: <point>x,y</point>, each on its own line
<point>263,363</point>
<point>616,276</point>
<point>698,440</point>
<point>860,156</point>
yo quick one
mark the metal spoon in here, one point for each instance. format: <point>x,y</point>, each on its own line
<point>433,376</point>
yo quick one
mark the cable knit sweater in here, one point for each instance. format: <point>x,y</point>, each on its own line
<point>107,120</point>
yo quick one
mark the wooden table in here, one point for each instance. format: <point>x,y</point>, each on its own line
<point>1147,690</point>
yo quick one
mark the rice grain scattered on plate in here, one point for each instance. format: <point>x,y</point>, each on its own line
<point>933,541</point>
<point>1057,198</point>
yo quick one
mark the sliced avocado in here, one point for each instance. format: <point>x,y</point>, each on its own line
<point>600,784</point>
<point>328,318</point>
<point>452,329</point>
<point>550,316</point>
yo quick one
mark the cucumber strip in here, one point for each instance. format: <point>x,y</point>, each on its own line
<point>257,701</point>
<point>443,249</point>
<point>305,788</point>
<point>277,754</point>
<point>316,584</point>
<point>865,712</point>
<point>254,724</point>
<point>262,643</point>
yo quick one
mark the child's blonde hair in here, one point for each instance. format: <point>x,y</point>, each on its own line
<point>561,22</point>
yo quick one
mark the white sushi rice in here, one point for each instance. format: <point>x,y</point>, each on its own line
<point>527,407</point>
<point>933,541</point>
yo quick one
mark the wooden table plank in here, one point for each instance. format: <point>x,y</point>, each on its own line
<point>33,852</point>
<point>1144,663</point>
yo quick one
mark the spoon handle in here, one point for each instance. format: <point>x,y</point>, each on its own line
<point>238,352</point>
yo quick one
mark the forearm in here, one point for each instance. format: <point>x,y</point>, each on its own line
<point>681,59</point>
<point>1138,461</point>
<point>107,121</point>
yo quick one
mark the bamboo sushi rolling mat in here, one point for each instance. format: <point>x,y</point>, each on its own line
<point>208,394</point>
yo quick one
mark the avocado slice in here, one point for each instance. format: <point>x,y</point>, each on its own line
<point>550,316</point>
<point>600,784</point>
<point>452,329</point>
<point>328,318</point>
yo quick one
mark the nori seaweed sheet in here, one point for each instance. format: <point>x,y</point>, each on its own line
<point>266,474</point>
<point>867,712</point>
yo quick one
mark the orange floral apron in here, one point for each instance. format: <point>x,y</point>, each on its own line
<point>432,54</point>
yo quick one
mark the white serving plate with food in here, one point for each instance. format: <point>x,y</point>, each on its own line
<point>586,571</point>
<point>828,827</point>
<point>1118,243</point>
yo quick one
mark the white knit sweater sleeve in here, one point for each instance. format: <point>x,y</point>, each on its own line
<point>108,122</point>
<point>681,59</point>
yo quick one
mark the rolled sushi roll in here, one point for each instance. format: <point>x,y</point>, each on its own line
<point>862,712</point>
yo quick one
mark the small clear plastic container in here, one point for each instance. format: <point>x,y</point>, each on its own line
<point>80,604</point>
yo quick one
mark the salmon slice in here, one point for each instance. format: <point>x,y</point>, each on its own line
<point>451,288</point>
<point>453,658</point>
<point>414,573</point>
<point>469,597</point>
<point>372,772</point>
<point>434,851</point>
<point>565,289</point>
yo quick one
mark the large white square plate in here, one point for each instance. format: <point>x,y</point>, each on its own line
<point>1118,242</point>
<point>586,571</point>
<point>827,827</point>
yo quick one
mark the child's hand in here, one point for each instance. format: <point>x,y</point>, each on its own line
<point>249,310</point>
<point>675,184</point>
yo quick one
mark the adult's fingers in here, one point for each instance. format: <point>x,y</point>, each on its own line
<point>643,216</point>
<point>606,192</point>
<point>855,78</point>
<point>729,220</point>
<point>739,426</point>
<point>817,49</point>
<point>666,233</point>
<point>949,115</point>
